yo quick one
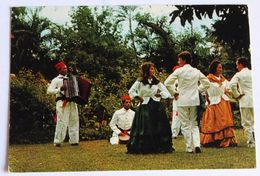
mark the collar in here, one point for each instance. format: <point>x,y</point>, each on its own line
<point>245,68</point>
<point>150,80</point>
<point>124,110</point>
<point>213,78</point>
<point>186,65</point>
<point>62,76</point>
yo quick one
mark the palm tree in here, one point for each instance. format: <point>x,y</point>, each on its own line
<point>29,37</point>
<point>127,13</point>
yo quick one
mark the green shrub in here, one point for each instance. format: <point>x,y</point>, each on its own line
<point>31,109</point>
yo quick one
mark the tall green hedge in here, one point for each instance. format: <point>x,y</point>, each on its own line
<point>31,110</point>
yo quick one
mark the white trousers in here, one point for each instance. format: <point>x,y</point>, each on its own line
<point>67,118</point>
<point>114,140</point>
<point>247,121</point>
<point>176,124</point>
<point>189,126</point>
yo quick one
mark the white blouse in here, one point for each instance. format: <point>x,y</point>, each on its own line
<point>147,91</point>
<point>217,91</point>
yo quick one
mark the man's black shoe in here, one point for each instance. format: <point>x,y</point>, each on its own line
<point>57,145</point>
<point>74,144</point>
<point>197,150</point>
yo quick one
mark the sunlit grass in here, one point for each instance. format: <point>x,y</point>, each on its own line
<point>100,155</point>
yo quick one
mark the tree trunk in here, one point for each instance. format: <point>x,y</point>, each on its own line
<point>132,35</point>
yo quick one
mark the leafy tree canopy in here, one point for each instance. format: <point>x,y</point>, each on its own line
<point>232,28</point>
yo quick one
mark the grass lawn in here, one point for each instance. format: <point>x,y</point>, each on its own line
<point>101,156</point>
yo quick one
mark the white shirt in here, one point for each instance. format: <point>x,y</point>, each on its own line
<point>244,81</point>
<point>147,91</point>
<point>123,119</point>
<point>188,79</point>
<point>54,87</point>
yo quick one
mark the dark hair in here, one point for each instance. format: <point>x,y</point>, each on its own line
<point>145,73</point>
<point>213,66</point>
<point>243,61</point>
<point>186,56</point>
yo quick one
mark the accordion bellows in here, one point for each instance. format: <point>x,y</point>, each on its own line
<point>78,89</point>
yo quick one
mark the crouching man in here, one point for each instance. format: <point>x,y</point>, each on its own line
<point>121,122</point>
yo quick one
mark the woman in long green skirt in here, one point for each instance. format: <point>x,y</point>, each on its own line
<point>151,131</point>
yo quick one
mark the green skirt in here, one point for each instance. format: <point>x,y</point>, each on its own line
<point>151,131</point>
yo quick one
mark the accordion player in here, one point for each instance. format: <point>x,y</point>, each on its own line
<point>77,89</point>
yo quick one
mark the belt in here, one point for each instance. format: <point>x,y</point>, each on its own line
<point>60,98</point>
<point>122,129</point>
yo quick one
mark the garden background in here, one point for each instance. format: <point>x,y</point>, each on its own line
<point>108,44</point>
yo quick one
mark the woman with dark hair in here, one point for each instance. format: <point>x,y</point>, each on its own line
<point>151,131</point>
<point>217,121</point>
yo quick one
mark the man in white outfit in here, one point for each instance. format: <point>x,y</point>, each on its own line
<point>121,121</point>
<point>188,80</point>
<point>241,86</point>
<point>67,112</point>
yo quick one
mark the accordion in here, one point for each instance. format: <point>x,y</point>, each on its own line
<point>78,89</point>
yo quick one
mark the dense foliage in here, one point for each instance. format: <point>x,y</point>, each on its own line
<point>31,110</point>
